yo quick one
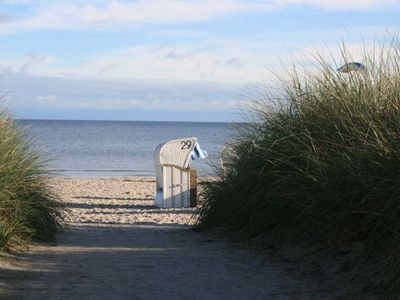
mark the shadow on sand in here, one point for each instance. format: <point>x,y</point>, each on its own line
<point>145,262</point>
<point>113,198</point>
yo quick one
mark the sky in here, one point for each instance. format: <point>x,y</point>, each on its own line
<point>170,60</point>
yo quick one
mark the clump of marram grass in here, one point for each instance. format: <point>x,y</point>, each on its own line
<point>27,209</point>
<point>323,165</point>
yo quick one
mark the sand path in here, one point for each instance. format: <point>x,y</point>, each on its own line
<point>118,246</point>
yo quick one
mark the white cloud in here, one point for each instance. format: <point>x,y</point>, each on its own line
<point>25,63</point>
<point>230,60</point>
<point>70,15</point>
<point>181,62</point>
<point>48,99</point>
<point>340,4</point>
<point>224,60</point>
<point>177,104</point>
<point>96,14</point>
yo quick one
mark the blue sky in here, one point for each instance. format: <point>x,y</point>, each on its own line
<point>182,60</point>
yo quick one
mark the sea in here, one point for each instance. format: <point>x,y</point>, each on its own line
<point>93,149</point>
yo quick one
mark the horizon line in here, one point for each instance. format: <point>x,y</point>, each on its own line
<point>108,120</point>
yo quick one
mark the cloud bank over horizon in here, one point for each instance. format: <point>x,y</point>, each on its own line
<point>164,100</point>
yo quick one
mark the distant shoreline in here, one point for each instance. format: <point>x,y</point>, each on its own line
<point>125,121</point>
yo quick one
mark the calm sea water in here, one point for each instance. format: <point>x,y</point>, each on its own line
<point>116,148</point>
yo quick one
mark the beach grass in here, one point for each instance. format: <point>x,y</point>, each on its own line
<point>320,162</point>
<point>27,207</point>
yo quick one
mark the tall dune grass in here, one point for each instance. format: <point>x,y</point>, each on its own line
<point>27,209</point>
<point>323,165</point>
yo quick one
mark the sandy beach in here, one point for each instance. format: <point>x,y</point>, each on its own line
<point>117,201</point>
<point>117,245</point>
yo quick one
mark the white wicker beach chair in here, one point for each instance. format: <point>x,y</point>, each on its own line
<point>176,182</point>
